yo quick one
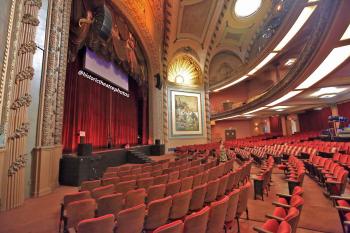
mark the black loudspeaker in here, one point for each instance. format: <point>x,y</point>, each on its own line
<point>84,149</point>
<point>157,142</point>
<point>158,81</point>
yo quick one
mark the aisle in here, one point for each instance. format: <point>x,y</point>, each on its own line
<point>318,214</point>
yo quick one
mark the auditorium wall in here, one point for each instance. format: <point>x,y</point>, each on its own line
<point>244,128</point>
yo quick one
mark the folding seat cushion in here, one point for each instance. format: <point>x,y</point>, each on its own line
<point>162,179</point>
<point>173,188</point>
<point>126,186</point>
<point>77,211</point>
<point>158,213</point>
<point>212,190</point>
<point>108,181</point>
<point>128,178</point>
<point>173,227</point>
<point>217,215</point>
<point>135,197</point>
<point>198,196</point>
<point>90,185</point>
<point>110,204</point>
<point>131,220</point>
<point>272,225</point>
<point>103,190</point>
<point>173,176</point>
<point>109,175</point>
<point>180,205</point>
<point>155,192</point>
<point>222,185</point>
<point>294,201</point>
<point>197,180</point>
<point>197,222</point>
<point>103,224</point>
<point>186,183</point>
<point>145,182</point>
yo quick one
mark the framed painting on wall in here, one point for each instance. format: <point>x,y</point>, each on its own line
<point>186,113</point>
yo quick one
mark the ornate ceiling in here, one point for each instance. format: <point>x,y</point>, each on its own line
<point>214,35</point>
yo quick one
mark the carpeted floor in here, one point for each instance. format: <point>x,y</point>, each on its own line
<point>41,215</point>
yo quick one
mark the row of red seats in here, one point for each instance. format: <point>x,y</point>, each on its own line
<point>286,214</point>
<point>241,173</point>
<point>263,178</point>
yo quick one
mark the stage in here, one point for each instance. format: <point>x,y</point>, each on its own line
<point>75,169</point>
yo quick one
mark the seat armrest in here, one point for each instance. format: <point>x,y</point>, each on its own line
<point>259,229</point>
<point>343,208</point>
<point>281,205</point>
<point>283,195</point>
<point>333,182</point>
<point>340,198</point>
<point>279,219</point>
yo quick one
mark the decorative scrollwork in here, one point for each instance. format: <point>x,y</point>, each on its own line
<point>22,101</point>
<point>36,3</point>
<point>19,163</point>
<point>27,73</point>
<point>21,131</point>
<point>29,47</point>
<point>30,19</point>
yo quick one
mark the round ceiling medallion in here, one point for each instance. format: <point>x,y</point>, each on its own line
<point>245,8</point>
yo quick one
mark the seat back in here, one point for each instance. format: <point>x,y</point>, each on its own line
<point>78,196</point>
<point>197,222</point>
<point>197,179</point>
<point>173,188</point>
<point>232,205</point>
<point>298,191</point>
<point>271,225</point>
<point>110,204</point>
<point>205,177</point>
<point>222,185</point>
<point>212,190</point>
<point>103,224</point>
<point>125,186</point>
<point>89,185</point>
<point>173,227</point>
<point>155,192</point>
<point>217,215</point>
<point>135,198</point>
<point>186,183</point>
<point>297,202</point>
<point>284,227</point>
<point>162,179</point>
<point>198,196</point>
<point>180,205</point>
<point>131,220</point>
<point>109,175</point>
<point>173,176</point>
<point>128,178</point>
<point>103,190</point>
<point>158,213</point>
<point>145,183</point>
<point>79,210</point>
<point>243,198</point>
<point>292,218</point>
<point>108,181</point>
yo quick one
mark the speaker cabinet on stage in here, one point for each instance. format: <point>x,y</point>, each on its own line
<point>84,149</point>
<point>158,149</point>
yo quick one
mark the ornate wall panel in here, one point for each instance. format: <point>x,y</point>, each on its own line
<point>21,68</point>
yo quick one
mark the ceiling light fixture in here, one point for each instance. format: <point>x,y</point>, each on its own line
<point>334,59</point>
<point>284,98</point>
<point>346,34</point>
<point>280,107</point>
<point>328,90</point>
<point>233,83</point>
<point>298,24</point>
<point>327,96</point>
<point>279,110</point>
<point>245,8</point>
<point>290,62</point>
<point>256,110</point>
<point>264,62</point>
<point>226,118</point>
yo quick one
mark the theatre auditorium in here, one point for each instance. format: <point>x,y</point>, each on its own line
<point>175,116</point>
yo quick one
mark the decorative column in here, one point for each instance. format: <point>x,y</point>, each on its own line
<point>48,149</point>
<point>19,102</point>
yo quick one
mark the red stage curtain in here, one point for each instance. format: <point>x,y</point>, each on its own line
<point>99,112</point>
<point>314,120</point>
<point>276,125</point>
<point>344,110</point>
